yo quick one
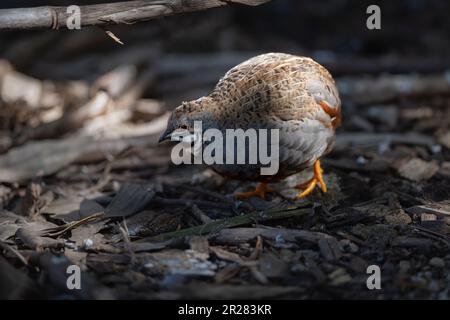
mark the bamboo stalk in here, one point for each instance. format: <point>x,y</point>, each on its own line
<point>126,12</point>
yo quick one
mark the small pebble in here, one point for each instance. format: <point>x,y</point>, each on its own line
<point>58,259</point>
<point>279,238</point>
<point>299,268</point>
<point>361,160</point>
<point>437,262</point>
<point>339,277</point>
<point>384,147</point>
<point>404,265</point>
<point>436,148</point>
<point>70,245</point>
<point>349,246</point>
<point>87,243</point>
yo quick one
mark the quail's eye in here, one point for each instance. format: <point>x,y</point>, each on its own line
<point>183,127</point>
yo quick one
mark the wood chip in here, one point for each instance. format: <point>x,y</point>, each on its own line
<point>418,169</point>
<point>330,249</point>
<point>130,199</point>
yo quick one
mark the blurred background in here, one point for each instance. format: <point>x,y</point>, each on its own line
<point>414,37</point>
<point>181,57</point>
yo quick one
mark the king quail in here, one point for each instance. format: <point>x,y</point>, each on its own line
<point>293,94</point>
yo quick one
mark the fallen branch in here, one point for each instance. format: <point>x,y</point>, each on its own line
<point>41,158</point>
<point>387,87</point>
<point>126,12</point>
<point>7,247</point>
<point>237,221</point>
<point>237,236</point>
<point>373,140</point>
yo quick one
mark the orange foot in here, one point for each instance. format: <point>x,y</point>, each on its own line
<point>309,185</point>
<point>260,191</point>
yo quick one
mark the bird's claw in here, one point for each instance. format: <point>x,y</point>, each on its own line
<point>260,191</point>
<point>308,186</point>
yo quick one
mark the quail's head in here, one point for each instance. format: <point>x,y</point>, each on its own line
<point>185,116</point>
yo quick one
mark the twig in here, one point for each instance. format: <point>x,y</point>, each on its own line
<point>236,236</point>
<point>103,180</point>
<point>218,225</point>
<point>209,193</point>
<point>57,231</point>
<point>373,140</point>
<point>256,253</point>
<point>114,37</point>
<point>182,202</point>
<point>199,214</point>
<point>126,12</point>
<point>6,246</point>
<point>127,243</point>
<point>205,192</point>
<point>433,235</point>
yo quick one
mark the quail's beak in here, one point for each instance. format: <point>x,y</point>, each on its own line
<point>165,136</point>
<point>174,135</point>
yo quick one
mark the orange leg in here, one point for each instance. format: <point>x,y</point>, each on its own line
<point>260,191</point>
<point>334,113</point>
<point>305,184</point>
<point>309,185</point>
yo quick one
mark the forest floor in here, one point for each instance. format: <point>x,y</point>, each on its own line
<point>83,181</point>
<point>140,227</point>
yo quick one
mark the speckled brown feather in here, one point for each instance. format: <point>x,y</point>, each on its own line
<point>273,90</point>
<point>275,85</point>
